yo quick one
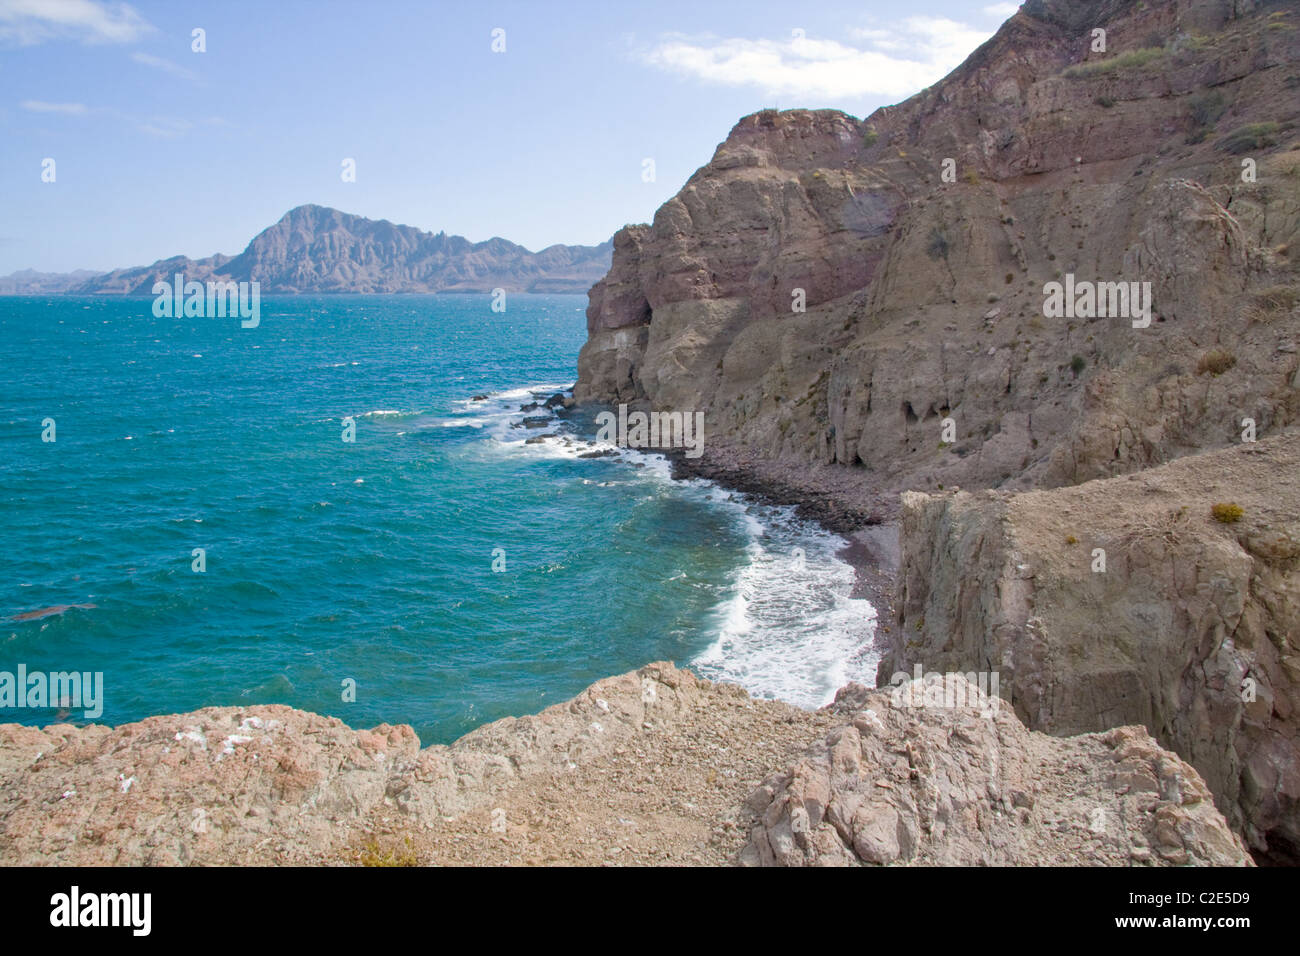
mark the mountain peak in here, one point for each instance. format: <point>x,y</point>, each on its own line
<point>314,248</point>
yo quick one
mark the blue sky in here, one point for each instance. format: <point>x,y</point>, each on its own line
<point>161,150</point>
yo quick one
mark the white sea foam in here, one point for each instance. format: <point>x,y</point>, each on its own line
<point>788,630</point>
<point>499,413</point>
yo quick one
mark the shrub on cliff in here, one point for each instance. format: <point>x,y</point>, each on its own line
<point>1216,362</point>
<point>1133,59</point>
<point>1251,136</point>
<point>1204,113</point>
<point>1226,512</point>
<point>937,246</point>
<point>1278,300</point>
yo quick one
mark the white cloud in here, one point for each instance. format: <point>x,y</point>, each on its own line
<point>1002,11</point>
<point>34,21</point>
<point>895,62</point>
<point>68,109</point>
<point>167,66</point>
<point>163,127</point>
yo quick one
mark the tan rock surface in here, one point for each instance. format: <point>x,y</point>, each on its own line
<point>1191,630</point>
<point>969,785</point>
<point>651,767</point>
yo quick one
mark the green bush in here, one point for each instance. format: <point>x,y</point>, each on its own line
<point>1131,60</point>
<point>1227,512</point>
<point>1251,136</point>
<point>1204,113</point>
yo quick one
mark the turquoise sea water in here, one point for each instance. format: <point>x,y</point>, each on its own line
<point>370,561</point>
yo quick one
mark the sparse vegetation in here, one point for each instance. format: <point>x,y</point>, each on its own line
<point>1251,136</point>
<point>1105,102</point>
<point>1271,303</point>
<point>1133,59</point>
<point>1193,41</point>
<point>971,177</point>
<point>1227,512</point>
<point>937,246</point>
<point>372,855</point>
<point>1216,362</point>
<point>870,137</point>
<point>1071,539</point>
<point>1077,364</point>
<point>1204,113</point>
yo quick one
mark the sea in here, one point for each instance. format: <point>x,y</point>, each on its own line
<point>340,510</point>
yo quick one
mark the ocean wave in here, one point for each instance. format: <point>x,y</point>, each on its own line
<point>789,630</point>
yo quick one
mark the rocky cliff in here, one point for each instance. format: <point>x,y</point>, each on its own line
<point>1127,601</point>
<point>925,298</point>
<point>654,766</point>
<point>317,249</point>
<point>864,311</point>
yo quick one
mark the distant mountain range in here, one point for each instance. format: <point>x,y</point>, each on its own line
<point>318,249</point>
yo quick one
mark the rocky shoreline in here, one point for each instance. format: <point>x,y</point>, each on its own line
<point>858,306</point>
<point>843,504</point>
<point>1106,515</point>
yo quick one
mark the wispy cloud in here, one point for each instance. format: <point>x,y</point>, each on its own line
<point>167,66</point>
<point>169,127</point>
<point>895,62</point>
<point>38,106</point>
<point>1001,10</point>
<point>163,127</point>
<point>29,22</point>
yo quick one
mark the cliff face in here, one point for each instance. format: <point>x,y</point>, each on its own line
<point>654,766</point>
<point>928,357</point>
<point>317,249</point>
<point>1124,601</point>
<point>925,299</point>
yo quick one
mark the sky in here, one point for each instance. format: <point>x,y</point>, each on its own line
<point>160,149</point>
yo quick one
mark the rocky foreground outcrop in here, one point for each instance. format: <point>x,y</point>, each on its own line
<point>969,785</point>
<point>654,766</point>
<point>1126,601</point>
